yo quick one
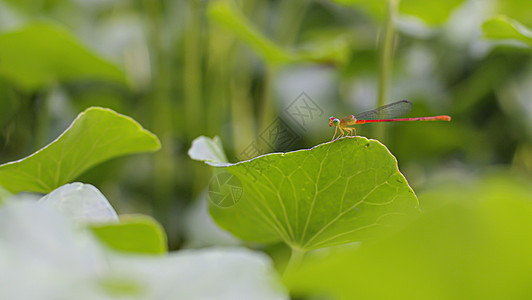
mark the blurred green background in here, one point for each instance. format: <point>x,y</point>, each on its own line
<point>234,68</point>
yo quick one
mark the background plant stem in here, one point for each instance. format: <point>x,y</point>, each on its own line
<point>160,106</point>
<point>42,128</point>
<point>268,107</point>
<point>386,63</point>
<point>291,15</point>
<point>192,65</point>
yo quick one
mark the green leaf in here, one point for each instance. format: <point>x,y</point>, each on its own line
<point>227,15</point>
<point>96,135</point>
<point>38,55</point>
<point>208,150</point>
<point>433,13</point>
<point>504,28</point>
<point>334,193</point>
<point>329,49</point>
<point>520,10</point>
<point>134,233</point>
<point>374,8</point>
<point>232,19</point>
<point>469,245</point>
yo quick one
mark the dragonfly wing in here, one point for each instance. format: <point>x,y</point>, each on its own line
<point>389,111</point>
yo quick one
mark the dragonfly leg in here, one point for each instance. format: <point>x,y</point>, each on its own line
<point>339,134</point>
<point>335,131</point>
<point>350,130</point>
<point>343,133</point>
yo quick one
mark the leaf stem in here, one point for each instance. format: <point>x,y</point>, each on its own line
<point>386,62</point>
<point>296,257</point>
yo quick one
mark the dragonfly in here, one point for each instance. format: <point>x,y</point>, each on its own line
<point>386,113</point>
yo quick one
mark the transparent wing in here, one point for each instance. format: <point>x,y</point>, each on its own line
<point>389,111</point>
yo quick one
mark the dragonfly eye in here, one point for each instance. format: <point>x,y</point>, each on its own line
<point>336,122</point>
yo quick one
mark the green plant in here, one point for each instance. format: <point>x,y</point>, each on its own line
<point>332,194</point>
<point>336,220</point>
<point>98,134</point>
<point>73,236</point>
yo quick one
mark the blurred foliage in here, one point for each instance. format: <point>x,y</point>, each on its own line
<point>334,50</point>
<point>467,244</point>
<point>66,257</point>
<point>60,57</point>
<point>504,28</point>
<point>231,68</point>
<point>520,10</point>
<point>431,12</point>
<point>134,234</point>
<point>228,16</point>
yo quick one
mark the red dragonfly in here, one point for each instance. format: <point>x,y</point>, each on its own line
<point>386,113</point>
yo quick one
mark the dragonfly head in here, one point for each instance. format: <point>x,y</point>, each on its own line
<point>333,122</point>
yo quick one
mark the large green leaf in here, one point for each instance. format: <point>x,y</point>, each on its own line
<point>96,135</point>
<point>471,243</point>
<point>42,54</point>
<point>334,193</point>
<point>134,233</point>
<point>504,28</point>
